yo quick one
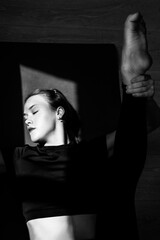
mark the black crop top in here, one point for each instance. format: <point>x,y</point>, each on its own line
<point>59,180</point>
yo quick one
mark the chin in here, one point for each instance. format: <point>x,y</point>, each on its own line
<point>34,140</point>
<point>37,140</point>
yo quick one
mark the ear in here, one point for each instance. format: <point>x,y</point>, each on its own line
<point>60,112</point>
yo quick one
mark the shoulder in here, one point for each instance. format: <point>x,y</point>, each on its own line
<point>21,150</point>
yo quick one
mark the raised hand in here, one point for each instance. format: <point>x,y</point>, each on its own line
<point>141,86</point>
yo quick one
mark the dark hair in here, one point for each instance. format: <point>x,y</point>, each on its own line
<point>56,99</point>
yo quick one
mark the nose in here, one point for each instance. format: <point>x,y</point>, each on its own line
<point>28,121</point>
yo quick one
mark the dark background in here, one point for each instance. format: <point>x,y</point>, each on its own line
<point>96,22</point>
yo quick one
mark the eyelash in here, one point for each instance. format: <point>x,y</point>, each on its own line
<point>25,117</point>
<point>35,112</point>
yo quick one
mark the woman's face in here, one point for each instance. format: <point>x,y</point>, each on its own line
<point>40,119</point>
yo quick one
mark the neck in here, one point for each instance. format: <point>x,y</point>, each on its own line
<point>58,136</point>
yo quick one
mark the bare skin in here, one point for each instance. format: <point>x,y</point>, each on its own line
<point>141,86</point>
<point>136,59</point>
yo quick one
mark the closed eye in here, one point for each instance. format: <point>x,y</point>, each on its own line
<point>35,112</point>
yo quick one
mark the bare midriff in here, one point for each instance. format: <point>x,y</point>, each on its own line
<point>62,227</point>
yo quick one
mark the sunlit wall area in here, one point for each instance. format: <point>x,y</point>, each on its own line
<point>34,78</point>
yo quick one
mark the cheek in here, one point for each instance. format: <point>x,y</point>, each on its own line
<point>47,121</point>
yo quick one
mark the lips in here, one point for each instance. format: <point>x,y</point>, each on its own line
<point>31,129</point>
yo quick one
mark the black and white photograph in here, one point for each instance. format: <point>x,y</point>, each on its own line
<point>80,118</point>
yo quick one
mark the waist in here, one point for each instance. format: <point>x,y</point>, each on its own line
<point>60,227</point>
<point>63,227</point>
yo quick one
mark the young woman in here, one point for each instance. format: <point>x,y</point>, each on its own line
<point>63,177</point>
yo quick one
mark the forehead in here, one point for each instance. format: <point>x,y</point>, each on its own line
<point>36,100</point>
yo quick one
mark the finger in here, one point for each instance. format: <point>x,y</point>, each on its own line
<point>140,78</point>
<point>139,90</point>
<point>140,86</point>
<point>148,93</point>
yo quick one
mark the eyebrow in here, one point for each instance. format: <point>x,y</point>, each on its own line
<point>32,106</point>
